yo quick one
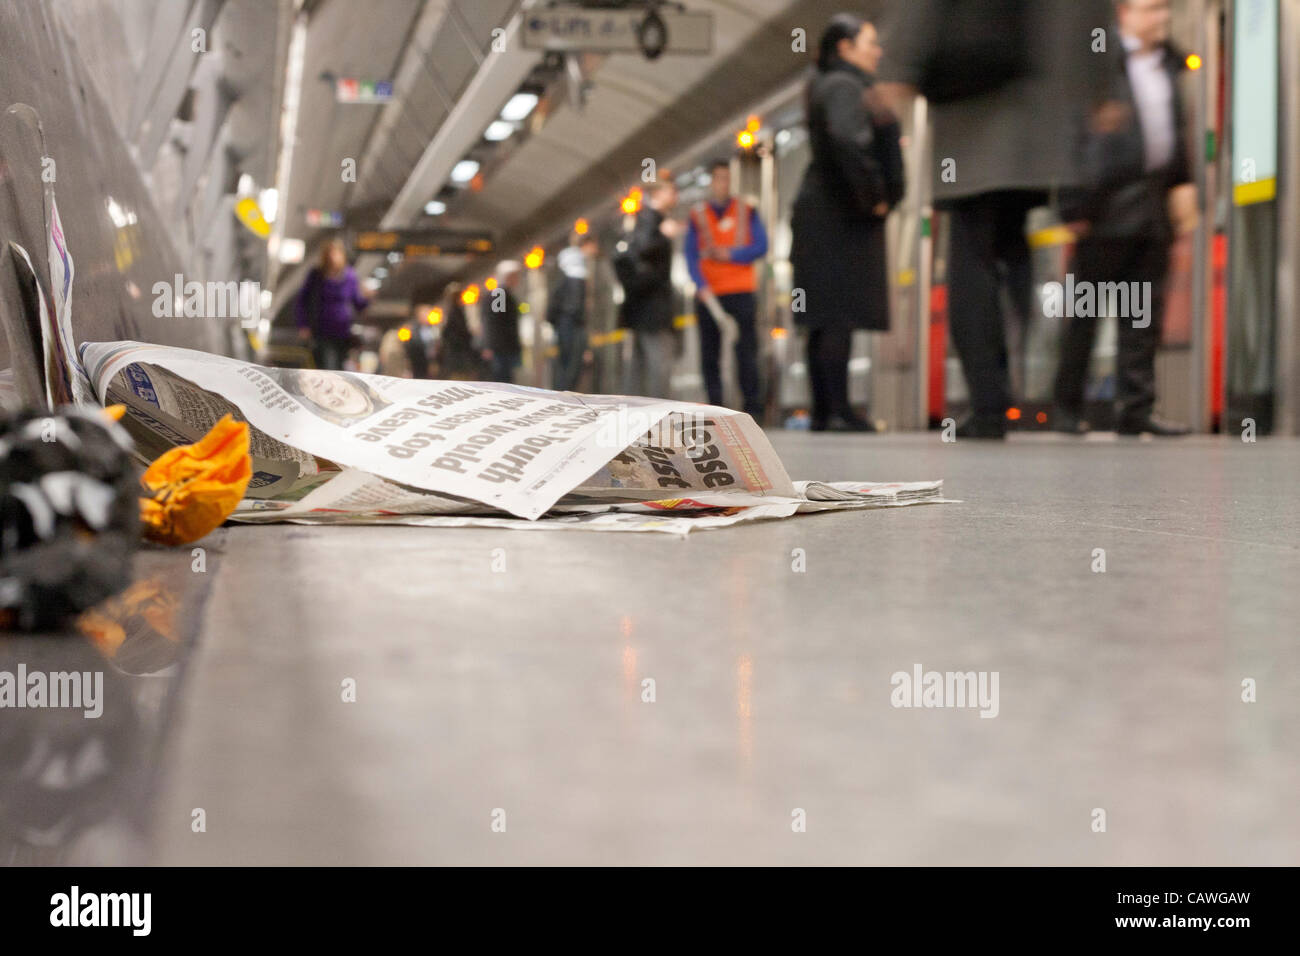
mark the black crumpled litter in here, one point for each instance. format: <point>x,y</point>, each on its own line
<point>69,515</point>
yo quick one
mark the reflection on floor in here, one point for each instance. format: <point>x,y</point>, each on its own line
<point>639,699</point>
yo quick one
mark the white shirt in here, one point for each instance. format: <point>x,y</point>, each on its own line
<point>1153,92</point>
<point>572,262</point>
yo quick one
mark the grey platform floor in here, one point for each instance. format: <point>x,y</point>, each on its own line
<point>521,690</point>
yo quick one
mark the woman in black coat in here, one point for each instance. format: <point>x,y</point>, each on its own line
<point>457,356</point>
<point>838,250</point>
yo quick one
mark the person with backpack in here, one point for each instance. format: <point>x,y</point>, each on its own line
<point>1005,81</point>
<point>643,261</point>
<point>326,305</point>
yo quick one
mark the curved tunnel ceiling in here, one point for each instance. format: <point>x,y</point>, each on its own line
<point>635,109</point>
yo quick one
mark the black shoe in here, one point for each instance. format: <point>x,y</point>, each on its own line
<point>848,423</point>
<point>981,426</point>
<point>1152,426</point>
<point>1068,422</point>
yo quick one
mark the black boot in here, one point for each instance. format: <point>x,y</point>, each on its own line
<point>983,426</point>
<point>849,422</point>
<point>1069,422</point>
<point>1150,425</point>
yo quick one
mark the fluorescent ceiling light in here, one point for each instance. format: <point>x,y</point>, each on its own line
<point>289,105</point>
<point>464,171</point>
<point>435,208</point>
<point>269,202</point>
<point>518,107</point>
<point>291,250</point>
<point>498,130</point>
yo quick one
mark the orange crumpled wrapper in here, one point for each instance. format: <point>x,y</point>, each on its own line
<point>148,602</point>
<point>193,488</point>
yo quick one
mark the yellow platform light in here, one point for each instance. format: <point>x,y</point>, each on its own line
<point>404,334</point>
<point>581,227</point>
<point>536,256</point>
<point>470,295</point>
<point>250,214</point>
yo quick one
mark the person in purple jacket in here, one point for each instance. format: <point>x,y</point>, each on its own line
<point>326,304</point>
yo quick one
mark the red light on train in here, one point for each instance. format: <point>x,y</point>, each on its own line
<point>1013,414</point>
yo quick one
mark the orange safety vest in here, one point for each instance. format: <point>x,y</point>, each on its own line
<point>730,232</point>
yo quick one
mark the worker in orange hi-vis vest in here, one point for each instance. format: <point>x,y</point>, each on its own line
<point>723,241</point>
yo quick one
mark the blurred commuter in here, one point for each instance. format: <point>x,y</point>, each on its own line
<point>326,305</point>
<point>567,310</point>
<point>1005,81</point>
<point>417,351</point>
<point>501,343</point>
<point>643,263</point>
<point>838,248</point>
<point>393,358</point>
<point>1136,174</point>
<point>724,238</point>
<point>456,356</point>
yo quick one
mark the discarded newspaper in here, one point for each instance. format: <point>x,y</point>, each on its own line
<point>349,448</point>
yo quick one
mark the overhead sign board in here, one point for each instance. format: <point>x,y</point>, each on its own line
<point>324,217</point>
<point>348,89</point>
<point>579,29</point>
<point>422,242</point>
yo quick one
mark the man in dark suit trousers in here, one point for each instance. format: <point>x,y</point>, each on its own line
<point>998,152</point>
<point>1136,177</point>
